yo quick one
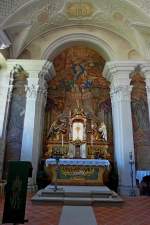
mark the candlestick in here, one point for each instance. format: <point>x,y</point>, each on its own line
<point>131,162</point>
<point>62,140</point>
<point>92,125</point>
<point>92,140</point>
<point>130,155</point>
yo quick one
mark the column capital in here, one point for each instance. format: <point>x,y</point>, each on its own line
<point>48,71</point>
<point>39,73</point>
<point>118,72</point>
<point>145,69</point>
<point>33,67</point>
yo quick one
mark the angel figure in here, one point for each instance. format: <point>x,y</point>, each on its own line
<point>57,127</point>
<point>54,129</point>
<point>102,129</point>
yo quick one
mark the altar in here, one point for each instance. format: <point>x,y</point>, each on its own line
<point>78,171</point>
<point>80,143</point>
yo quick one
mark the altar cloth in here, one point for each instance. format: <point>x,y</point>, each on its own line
<point>79,162</point>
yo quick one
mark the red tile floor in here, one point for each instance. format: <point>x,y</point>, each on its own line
<point>38,214</point>
<point>134,211</point>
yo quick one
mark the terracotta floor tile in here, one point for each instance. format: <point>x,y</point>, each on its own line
<point>135,211</point>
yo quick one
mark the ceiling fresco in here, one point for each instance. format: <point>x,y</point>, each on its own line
<point>28,20</point>
<point>11,5</point>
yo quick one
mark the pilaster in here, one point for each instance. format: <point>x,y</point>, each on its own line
<point>145,69</point>
<point>6,86</point>
<point>40,71</point>
<point>120,90</point>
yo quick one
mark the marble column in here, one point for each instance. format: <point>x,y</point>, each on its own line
<point>47,74</point>
<point>145,69</point>
<point>6,86</point>
<point>120,90</point>
<point>39,73</point>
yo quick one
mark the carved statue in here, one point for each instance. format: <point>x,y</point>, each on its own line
<point>57,127</point>
<point>54,129</point>
<point>102,129</point>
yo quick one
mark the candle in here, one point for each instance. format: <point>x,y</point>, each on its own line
<point>62,140</point>
<point>92,125</point>
<point>91,139</point>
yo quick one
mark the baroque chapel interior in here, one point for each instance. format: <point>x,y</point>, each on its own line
<point>75,99</point>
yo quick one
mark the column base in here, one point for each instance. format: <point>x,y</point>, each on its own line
<point>32,187</point>
<point>128,191</point>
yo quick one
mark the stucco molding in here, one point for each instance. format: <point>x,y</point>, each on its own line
<point>123,69</point>
<point>70,39</point>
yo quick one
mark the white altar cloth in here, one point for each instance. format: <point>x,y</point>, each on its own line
<point>82,162</point>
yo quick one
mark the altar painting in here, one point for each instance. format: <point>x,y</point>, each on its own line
<point>78,85</point>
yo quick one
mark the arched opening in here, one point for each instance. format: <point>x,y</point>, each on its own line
<point>78,95</point>
<point>84,39</point>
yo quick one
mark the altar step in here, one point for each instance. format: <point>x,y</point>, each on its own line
<point>77,195</point>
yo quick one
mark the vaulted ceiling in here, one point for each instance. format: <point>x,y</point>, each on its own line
<point>25,20</point>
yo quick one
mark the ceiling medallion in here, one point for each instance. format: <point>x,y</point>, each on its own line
<point>79,9</point>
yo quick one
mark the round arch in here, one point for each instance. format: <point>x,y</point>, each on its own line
<point>79,38</point>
